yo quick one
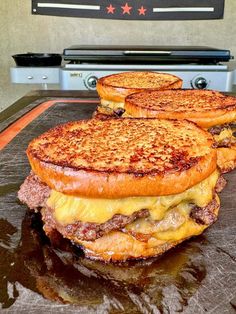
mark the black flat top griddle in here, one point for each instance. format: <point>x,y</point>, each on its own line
<point>146,54</point>
<point>198,276</point>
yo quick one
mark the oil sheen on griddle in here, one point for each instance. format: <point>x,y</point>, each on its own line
<point>63,275</point>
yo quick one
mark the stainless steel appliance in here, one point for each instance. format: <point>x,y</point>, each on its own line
<point>199,67</point>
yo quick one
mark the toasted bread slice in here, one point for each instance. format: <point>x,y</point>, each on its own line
<point>115,87</point>
<point>204,107</point>
<point>123,157</point>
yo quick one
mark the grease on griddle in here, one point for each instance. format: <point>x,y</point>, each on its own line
<point>8,188</point>
<point>60,272</point>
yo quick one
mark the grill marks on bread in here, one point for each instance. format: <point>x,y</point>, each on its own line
<point>127,146</point>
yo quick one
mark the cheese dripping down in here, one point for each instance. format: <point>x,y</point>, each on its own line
<point>69,209</point>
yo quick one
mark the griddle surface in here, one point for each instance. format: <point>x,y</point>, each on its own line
<point>196,277</point>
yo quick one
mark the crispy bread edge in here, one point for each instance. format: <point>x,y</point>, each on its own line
<point>203,119</point>
<point>118,94</point>
<point>95,184</point>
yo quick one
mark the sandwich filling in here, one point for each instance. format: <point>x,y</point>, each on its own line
<point>112,108</point>
<point>168,218</point>
<point>225,141</point>
<point>123,188</point>
<point>113,89</point>
<point>224,134</point>
<point>112,105</point>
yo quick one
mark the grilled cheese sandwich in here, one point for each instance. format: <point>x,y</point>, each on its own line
<point>124,188</point>
<point>113,89</point>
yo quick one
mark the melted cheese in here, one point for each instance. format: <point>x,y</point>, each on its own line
<point>69,209</point>
<point>108,107</point>
<point>175,226</point>
<point>112,104</point>
<point>223,134</point>
<point>188,229</point>
<point>173,219</point>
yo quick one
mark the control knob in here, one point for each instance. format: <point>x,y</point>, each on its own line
<point>200,83</point>
<point>91,82</point>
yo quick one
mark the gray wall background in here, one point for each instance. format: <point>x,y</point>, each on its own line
<point>21,32</point>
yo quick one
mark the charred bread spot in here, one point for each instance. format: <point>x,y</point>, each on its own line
<point>181,161</point>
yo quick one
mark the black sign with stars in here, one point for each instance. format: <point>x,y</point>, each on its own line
<point>132,9</point>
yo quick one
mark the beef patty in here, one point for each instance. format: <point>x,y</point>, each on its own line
<point>88,231</point>
<point>228,141</point>
<point>215,130</point>
<point>34,193</point>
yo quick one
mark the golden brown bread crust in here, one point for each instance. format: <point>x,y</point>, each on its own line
<point>123,157</point>
<point>116,87</point>
<point>204,107</point>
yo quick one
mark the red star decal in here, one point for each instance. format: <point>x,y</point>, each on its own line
<point>142,10</point>
<point>126,9</point>
<point>110,9</point>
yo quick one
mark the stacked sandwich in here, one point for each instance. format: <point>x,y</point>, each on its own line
<point>113,89</point>
<point>211,110</point>
<point>126,188</point>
